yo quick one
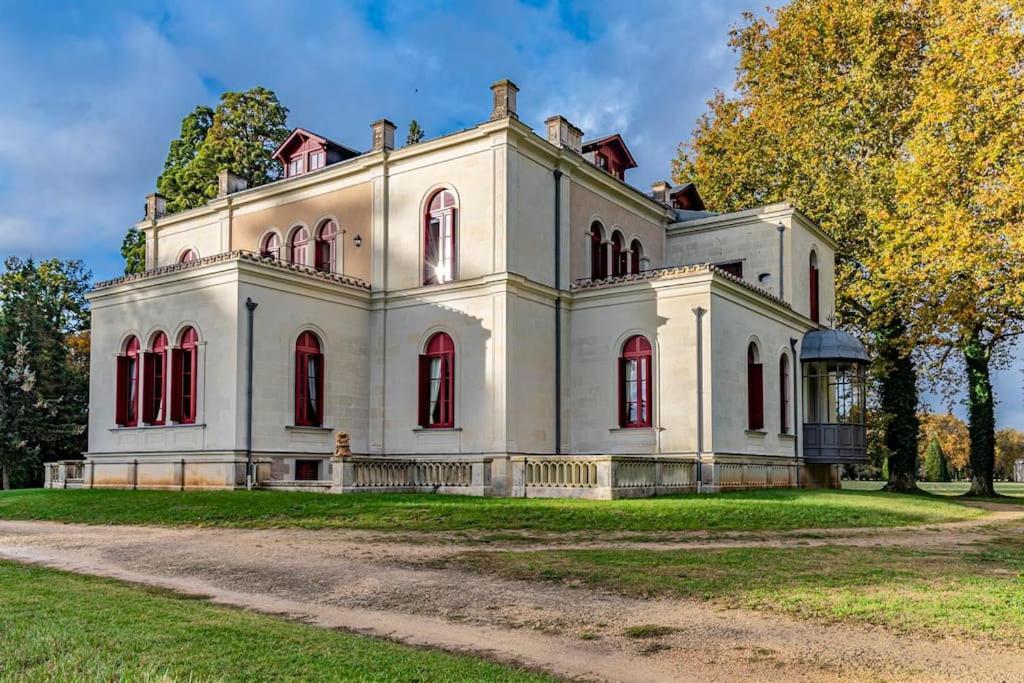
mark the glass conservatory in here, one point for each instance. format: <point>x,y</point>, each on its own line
<point>833,365</point>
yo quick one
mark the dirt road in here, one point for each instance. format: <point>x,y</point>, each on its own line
<point>381,585</point>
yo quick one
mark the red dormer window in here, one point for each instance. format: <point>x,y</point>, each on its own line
<point>317,160</point>
<point>295,166</point>
<point>304,151</point>
<point>611,155</point>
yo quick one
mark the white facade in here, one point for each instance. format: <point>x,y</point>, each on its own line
<point>513,432</point>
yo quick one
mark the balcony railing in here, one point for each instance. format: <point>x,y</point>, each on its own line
<point>835,444</point>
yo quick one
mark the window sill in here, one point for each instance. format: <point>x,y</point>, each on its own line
<point>428,430</point>
<point>759,433</point>
<point>628,430</point>
<point>176,425</point>
<point>787,436</point>
<point>308,428</point>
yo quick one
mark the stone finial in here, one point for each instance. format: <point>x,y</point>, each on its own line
<point>504,100</point>
<point>156,205</point>
<point>660,190</point>
<point>341,445</point>
<point>230,183</point>
<point>383,135</point>
<point>561,133</point>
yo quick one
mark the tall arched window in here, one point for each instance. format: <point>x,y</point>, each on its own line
<point>188,256</point>
<point>619,255</point>
<point>813,286</point>
<point>184,373</point>
<point>127,392</point>
<point>439,231</point>
<point>309,381</point>
<point>325,241</point>
<point>755,389</point>
<point>297,248</point>
<point>271,246</point>
<point>636,250</point>
<point>155,368</point>
<point>784,394</point>
<point>598,252</point>
<point>437,383</point>
<point>635,383</point>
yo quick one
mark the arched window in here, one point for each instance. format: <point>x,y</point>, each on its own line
<point>437,383</point>
<point>297,248</point>
<point>784,394</point>
<point>636,250</point>
<point>598,252</point>
<point>271,246</point>
<point>184,372</point>
<point>813,286</point>
<point>325,241</point>
<point>309,381</point>
<point>439,231</point>
<point>635,383</point>
<point>127,399</point>
<point>755,389</point>
<point>188,256</point>
<point>155,369</point>
<point>619,256</point>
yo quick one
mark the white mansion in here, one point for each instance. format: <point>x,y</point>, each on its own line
<point>492,312</point>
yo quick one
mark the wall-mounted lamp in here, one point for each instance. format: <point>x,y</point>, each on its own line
<point>358,240</point>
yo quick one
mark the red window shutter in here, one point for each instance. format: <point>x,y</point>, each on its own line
<point>814,293</point>
<point>648,393</point>
<point>449,418</point>
<point>424,395</point>
<point>300,388</point>
<point>177,371</point>
<point>755,395</point>
<point>149,377</point>
<point>454,266</point>
<point>121,391</point>
<point>623,411</point>
<point>318,419</point>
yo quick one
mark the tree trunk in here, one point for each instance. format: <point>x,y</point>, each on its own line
<point>5,478</point>
<point>981,421</point>
<point>898,402</point>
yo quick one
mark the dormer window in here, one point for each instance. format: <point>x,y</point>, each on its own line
<point>304,151</point>
<point>610,154</point>
<point>295,166</point>
<point>317,160</point>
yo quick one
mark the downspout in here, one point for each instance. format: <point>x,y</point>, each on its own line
<point>797,422</point>
<point>699,313</point>
<point>250,474</point>
<point>558,311</point>
<point>782,279</point>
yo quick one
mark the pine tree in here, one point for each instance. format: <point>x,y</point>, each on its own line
<point>415,133</point>
<point>935,465</point>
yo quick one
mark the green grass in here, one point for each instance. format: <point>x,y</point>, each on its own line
<point>61,626</point>
<point>775,510</point>
<point>976,593</point>
<point>952,488</point>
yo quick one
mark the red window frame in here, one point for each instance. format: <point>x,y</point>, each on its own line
<point>295,166</point>
<point>437,383</point>
<point>324,245</point>
<point>619,256</point>
<point>188,256</point>
<point>271,246</point>
<point>317,159</point>
<point>598,253</point>
<point>309,381</point>
<point>635,382</point>
<point>813,287</point>
<point>755,390</point>
<point>184,375</point>
<point>440,230</point>
<point>297,251</point>
<point>784,394</point>
<point>154,408</point>
<point>127,391</point>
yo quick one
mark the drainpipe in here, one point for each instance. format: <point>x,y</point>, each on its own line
<point>797,421</point>
<point>699,312</point>
<point>782,280</point>
<point>558,311</point>
<point>250,474</point>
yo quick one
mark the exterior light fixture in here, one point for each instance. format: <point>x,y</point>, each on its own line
<point>358,240</point>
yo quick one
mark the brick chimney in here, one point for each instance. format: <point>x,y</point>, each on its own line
<point>383,135</point>
<point>660,190</point>
<point>156,206</point>
<point>504,100</point>
<point>561,133</point>
<point>230,183</point>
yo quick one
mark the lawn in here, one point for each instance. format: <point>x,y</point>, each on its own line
<point>766,510</point>
<point>61,626</point>
<point>950,488</point>
<point>975,593</point>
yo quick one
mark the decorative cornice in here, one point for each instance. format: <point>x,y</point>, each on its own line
<point>238,255</point>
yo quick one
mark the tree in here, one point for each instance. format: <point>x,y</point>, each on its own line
<point>44,338</point>
<point>1009,449</point>
<point>23,414</point>
<point>180,182</point>
<point>951,434</point>
<point>935,467</point>
<point>415,133</point>
<point>955,234</point>
<point>133,249</point>
<point>817,120</point>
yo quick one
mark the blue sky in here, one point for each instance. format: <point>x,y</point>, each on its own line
<point>92,92</point>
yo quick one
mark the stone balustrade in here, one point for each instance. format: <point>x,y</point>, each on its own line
<point>600,476</point>
<point>357,474</point>
<point>63,474</point>
<point>728,475</point>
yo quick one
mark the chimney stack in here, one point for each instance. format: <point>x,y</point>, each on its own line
<point>660,190</point>
<point>383,135</point>
<point>230,183</point>
<point>504,100</point>
<point>561,133</point>
<point>156,206</point>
